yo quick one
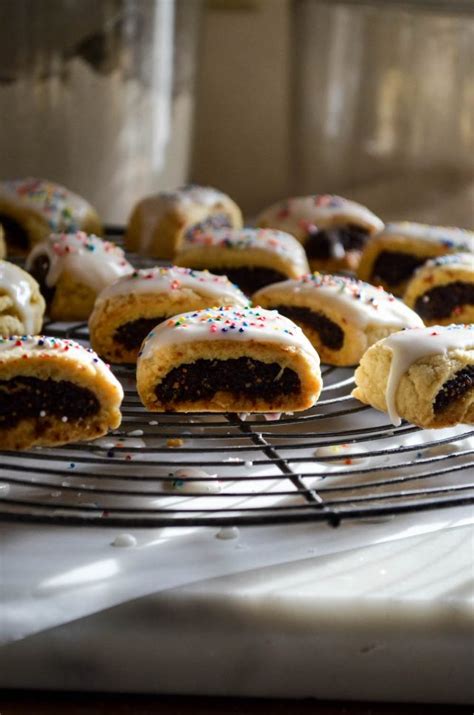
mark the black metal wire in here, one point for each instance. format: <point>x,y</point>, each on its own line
<point>269,472</point>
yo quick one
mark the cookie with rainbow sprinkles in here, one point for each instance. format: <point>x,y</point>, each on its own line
<point>72,269</point>
<point>341,316</point>
<point>392,256</point>
<point>30,209</point>
<point>250,257</point>
<point>125,312</point>
<point>332,229</point>
<point>442,290</point>
<point>159,223</point>
<point>54,392</point>
<point>228,359</point>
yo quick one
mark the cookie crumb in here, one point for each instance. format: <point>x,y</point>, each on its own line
<point>174,442</point>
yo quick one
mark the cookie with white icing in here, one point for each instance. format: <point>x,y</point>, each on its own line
<point>3,245</point>
<point>159,223</point>
<point>54,392</point>
<point>228,360</point>
<point>249,257</point>
<point>72,269</point>
<point>333,230</point>
<point>442,290</point>
<point>391,257</point>
<point>30,209</point>
<point>423,375</point>
<point>125,312</point>
<point>21,303</point>
<point>341,316</point>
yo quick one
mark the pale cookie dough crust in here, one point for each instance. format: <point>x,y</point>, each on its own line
<point>341,317</point>
<point>442,290</point>
<point>33,208</point>
<point>398,251</point>
<point>153,370</point>
<point>418,387</point>
<point>68,364</point>
<point>159,223</point>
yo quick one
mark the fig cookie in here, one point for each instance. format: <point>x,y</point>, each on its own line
<point>72,269</point>
<point>159,223</point>
<point>249,257</point>
<point>126,311</point>
<point>228,360</point>
<point>442,290</point>
<point>30,209</point>
<point>341,316</point>
<point>423,375</point>
<point>333,230</point>
<point>54,392</point>
<point>21,303</point>
<point>390,258</point>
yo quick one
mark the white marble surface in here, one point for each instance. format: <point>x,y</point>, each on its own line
<point>379,610</point>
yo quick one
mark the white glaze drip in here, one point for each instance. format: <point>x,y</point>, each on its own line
<point>361,303</point>
<point>94,262</point>
<point>298,213</point>
<point>408,346</point>
<point>191,480</point>
<point>175,278</point>
<point>227,533</point>
<point>228,323</point>
<point>124,541</point>
<point>14,284</point>
<point>241,240</point>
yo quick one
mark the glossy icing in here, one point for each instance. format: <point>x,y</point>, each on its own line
<point>240,240</point>
<point>164,279</point>
<point>408,346</point>
<point>228,323</point>
<point>307,212</point>
<point>14,283</point>
<point>44,347</point>
<point>94,262</point>
<point>361,303</point>
<point>449,237</point>
<point>62,209</point>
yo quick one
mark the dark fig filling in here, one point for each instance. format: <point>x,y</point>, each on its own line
<point>24,397</point>
<point>394,267</point>
<point>441,301</point>
<point>131,335</point>
<point>330,334</point>
<point>214,221</point>
<point>249,278</point>
<point>15,235</point>
<point>242,377</point>
<point>462,382</point>
<point>334,242</point>
<point>39,270</point>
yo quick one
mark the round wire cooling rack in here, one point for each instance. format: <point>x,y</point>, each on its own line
<point>339,460</point>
